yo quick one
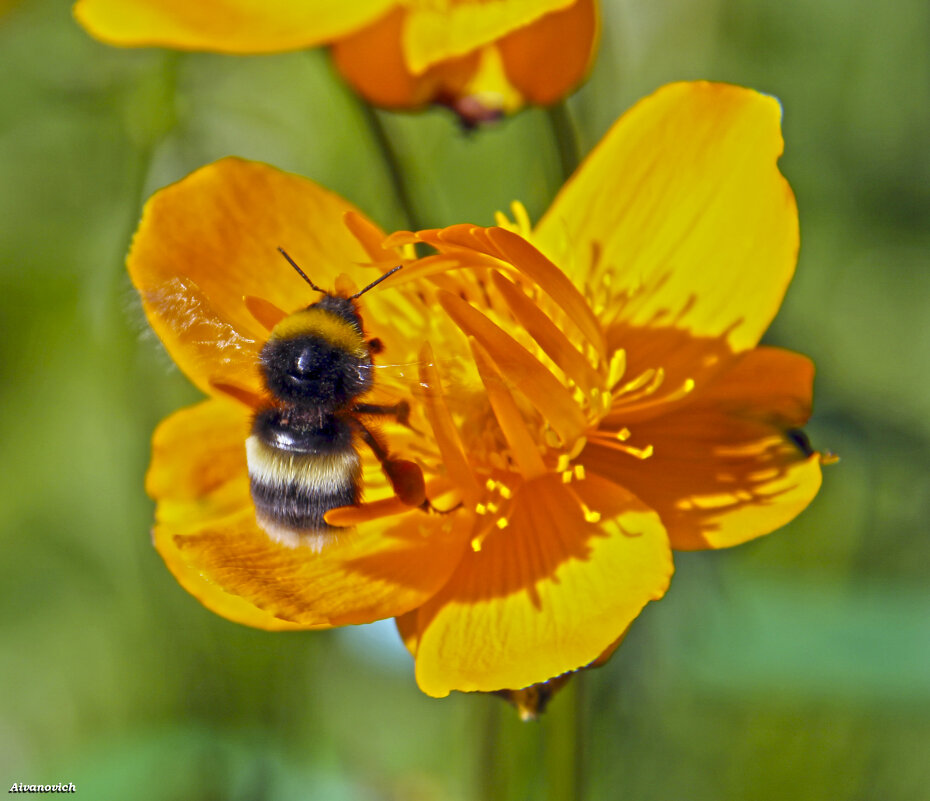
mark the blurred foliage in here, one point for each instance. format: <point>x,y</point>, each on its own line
<point>797,666</point>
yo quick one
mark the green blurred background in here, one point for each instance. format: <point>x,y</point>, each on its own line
<point>794,667</point>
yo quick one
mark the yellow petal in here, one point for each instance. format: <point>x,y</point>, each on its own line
<point>547,594</point>
<point>682,208</point>
<point>546,59</point>
<point>210,241</point>
<point>434,33</point>
<point>724,468</point>
<point>225,26</point>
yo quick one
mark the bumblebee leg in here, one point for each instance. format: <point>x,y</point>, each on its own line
<point>405,476</point>
<point>399,411</point>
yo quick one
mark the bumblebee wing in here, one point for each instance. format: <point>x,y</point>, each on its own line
<point>207,346</point>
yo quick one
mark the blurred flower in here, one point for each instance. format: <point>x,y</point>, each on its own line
<point>480,58</point>
<point>589,394</point>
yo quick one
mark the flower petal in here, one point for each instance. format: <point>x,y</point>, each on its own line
<point>681,209</point>
<point>198,469</point>
<point>207,534</point>
<point>208,242</point>
<point>725,468</point>
<point>375,571</point>
<point>372,60</point>
<point>547,594</point>
<point>434,34</point>
<point>546,59</point>
<point>225,26</point>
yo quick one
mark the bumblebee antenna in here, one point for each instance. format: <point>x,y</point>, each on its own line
<point>304,275</point>
<point>373,283</point>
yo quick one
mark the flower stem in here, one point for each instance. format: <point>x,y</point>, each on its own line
<point>392,163</point>
<point>565,136</point>
<point>564,746</point>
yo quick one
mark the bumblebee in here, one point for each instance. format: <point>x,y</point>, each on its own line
<point>303,449</point>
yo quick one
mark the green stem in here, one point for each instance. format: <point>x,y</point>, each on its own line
<point>565,136</point>
<point>392,163</point>
<point>564,760</point>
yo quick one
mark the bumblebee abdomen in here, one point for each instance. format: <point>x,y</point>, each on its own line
<point>298,472</point>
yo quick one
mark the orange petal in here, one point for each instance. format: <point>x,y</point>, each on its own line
<point>225,26</point>
<point>681,207</point>
<point>378,570</point>
<point>372,60</point>
<point>723,469</point>
<point>198,469</point>
<point>435,33</point>
<point>545,595</point>
<point>210,240</point>
<point>547,58</point>
<point>407,629</point>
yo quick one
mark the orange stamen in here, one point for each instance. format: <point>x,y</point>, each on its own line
<point>521,441</point>
<point>264,311</point>
<point>536,383</point>
<point>447,435</point>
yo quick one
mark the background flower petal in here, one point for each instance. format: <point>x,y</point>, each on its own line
<point>226,26</point>
<point>547,594</point>
<point>546,59</point>
<point>220,228</point>
<point>724,469</point>
<point>432,35</point>
<point>373,61</point>
<point>681,207</point>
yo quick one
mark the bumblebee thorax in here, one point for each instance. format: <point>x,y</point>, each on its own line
<point>317,357</point>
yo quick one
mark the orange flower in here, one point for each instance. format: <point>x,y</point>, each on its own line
<point>481,58</point>
<point>596,397</point>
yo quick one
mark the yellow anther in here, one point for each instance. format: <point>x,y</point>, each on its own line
<point>481,509</point>
<point>563,463</point>
<point>617,367</point>
<point>566,476</point>
<point>623,434</point>
<point>579,472</point>
<point>640,453</point>
<point>505,492</point>
<point>590,516</point>
<point>490,484</point>
<point>521,216</point>
<point>492,507</point>
<point>476,544</point>
<point>502,523</point>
